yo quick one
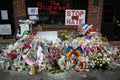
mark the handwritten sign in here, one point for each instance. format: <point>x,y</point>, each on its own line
<point>74,17</point>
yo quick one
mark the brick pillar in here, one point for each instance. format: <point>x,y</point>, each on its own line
<point>19,10</point>
<point>95,14</point>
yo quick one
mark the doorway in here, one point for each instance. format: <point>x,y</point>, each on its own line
<point>111,20</point>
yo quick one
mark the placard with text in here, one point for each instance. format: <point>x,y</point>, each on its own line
<point>75,17</point>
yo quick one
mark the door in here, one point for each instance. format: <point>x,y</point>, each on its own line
<point>111,20</point>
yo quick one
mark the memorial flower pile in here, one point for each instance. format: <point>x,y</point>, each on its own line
<point>80,53</point>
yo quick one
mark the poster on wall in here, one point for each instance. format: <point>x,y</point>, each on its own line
<point>4,14</point>
<point>32,11</point>
<point>5,29</point>
<point>74,17</point>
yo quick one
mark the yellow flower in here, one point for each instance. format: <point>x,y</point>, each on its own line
<point>66,37</point>
<point>62,34</point>
<point>115,56</point>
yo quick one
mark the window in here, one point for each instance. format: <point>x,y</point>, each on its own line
<point>52,12</point>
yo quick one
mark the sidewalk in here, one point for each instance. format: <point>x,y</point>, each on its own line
<point>69,75</point>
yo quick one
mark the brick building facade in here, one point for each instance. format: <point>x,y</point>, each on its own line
<point>94,12</point>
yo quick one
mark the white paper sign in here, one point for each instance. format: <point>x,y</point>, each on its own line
<point>74,17</point>
<point>48,35</point>
<point>4,14</point>
<point>5,29</point>
<point>23,27</point>
<point>32,11</point>
<point>33,17</point>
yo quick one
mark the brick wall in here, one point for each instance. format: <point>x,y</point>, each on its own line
<point>60,28</point>
<point>95,14</point>
<point>19,10</point>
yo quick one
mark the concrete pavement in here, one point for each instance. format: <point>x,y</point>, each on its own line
<point>68,75</point>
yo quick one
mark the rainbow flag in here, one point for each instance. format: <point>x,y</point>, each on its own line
<point>69,51</point>
<point>79,51</point>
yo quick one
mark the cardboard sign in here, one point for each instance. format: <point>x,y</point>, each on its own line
<point>74,17</point>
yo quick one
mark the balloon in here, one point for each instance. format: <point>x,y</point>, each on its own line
<point>26,32</point>
<point>85,28</point>
<point>90,30</point>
